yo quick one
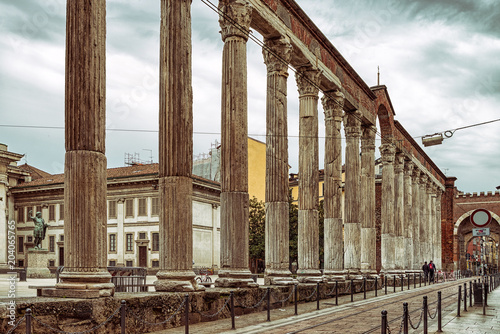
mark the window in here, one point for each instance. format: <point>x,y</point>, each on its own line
<point>21,263</point>
<point>61,211</point>
<point>129,263</point>
<point>112,242</point>
<point>61,237</point>
<point>155,206</point>
<point>112,209</point>
<point>155,263</point>
<point>156,242</point>
<point>112,263</point>
<point>38,209</point>
<point>52,263</point>
<point>129,242</point>
<point>20,245</point>
<point>142,207</point>
<point>30,238</point>
<point>20,215</point>
<point>142,235</point>
<point>52,212</point>
<point>52,243</point>
<point>129,207</point>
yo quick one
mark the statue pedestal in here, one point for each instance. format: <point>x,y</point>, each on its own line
<point>38,260</point>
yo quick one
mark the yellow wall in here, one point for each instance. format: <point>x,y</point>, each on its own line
<point>256,169</point>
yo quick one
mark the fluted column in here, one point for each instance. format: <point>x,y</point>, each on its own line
<point>367,205</point>
<point>433,223</point>
<point>175,149</point>
<point>352,224</point>
<point>308,232</point>
<point>399,211</point>
<point>423,218</point>
<point>234,146</point>
<point>333,103</point>
<point>415,209</point>
<point>85,161</point>
<point>387,152</point>
<point>276,56</point>
<point>439,249</point>
<point>408,218</point>
<point>429,219</point>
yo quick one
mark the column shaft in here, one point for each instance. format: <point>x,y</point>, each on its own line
<point>423,219</point>
<point>408,218</point>
<point>387,152</point>
<point>417,258</point>
<point>333,103</point>
<point>352,225</point>
<point>308,231</point>
<point>439,257</point>
<point>399,211</point>
<point>367,205</point>
<point>234,146</point>
<point>277,213</point>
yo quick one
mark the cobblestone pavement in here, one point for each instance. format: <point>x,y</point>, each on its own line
<point>360,316</point>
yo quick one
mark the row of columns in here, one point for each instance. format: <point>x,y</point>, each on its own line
<point>85,168</point>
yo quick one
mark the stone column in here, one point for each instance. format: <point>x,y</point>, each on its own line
<point>415,209</point>
<point>399,211</point>
<point>439,248</point>
<point>276,56</point>
<point>423,219</point>
<point>408,218</point>
<point>387,152</point>
<point>333,103</point>
<point>367,205</point>
<point>432,223</point>
<point>352,225</point>
<point>308,231</point>
<point>85,252</point>
<point>175,150</point>
<point>234,271</point>
<point>429,219</point>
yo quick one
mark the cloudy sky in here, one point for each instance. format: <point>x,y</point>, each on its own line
<point>439,59</point>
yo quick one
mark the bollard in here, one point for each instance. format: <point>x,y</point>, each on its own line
<point>402,281</point>
<point>414,281</point>
<point>336,293</point>
<point>352,290</point>
<point>383,326</point>
<point>459,296</point>
<point>465,297</point>
<point>364,288</point>
<point>232,310</point>
<point>420,279</point>
<point>394,282</point>
<point>470,293</point>
<point>376,286</point>
<point>385,285</point>
<point>408,282</point>
<point>486,294</point>
<point>123,316</point>
<point>186,313</point>
<point>405,318</point>
<point>484,299</point>
<point>28,321</point>
<point>440,329</point>
<point>425,314</point>
<point>268,304</point>
<point>317,296</point>
<point>295,295</point>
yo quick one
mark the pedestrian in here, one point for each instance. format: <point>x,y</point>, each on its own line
<point>432,270</point>
<point>425,268</point>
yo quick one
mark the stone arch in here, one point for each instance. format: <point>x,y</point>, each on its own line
<point>462,235</point>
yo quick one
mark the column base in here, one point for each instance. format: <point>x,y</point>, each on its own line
<point>334,275</point>
<point>355,274</point>
<point>370,273</point>
<point>309,276</point>
<point>235,278</point>
<point>279,277</point>
<point>85,285</point>
<point>177,281</point>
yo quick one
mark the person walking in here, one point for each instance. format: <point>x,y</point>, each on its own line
<point>432,270</point>
<point>425,269</point>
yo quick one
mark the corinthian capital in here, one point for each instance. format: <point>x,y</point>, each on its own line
<point>333,105</point>
<point>308,81</point>
<point>387,153</point>
<point>352,123</point>
<point>235,18</point>
<point>277,54</point>
<point>409,165</point>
